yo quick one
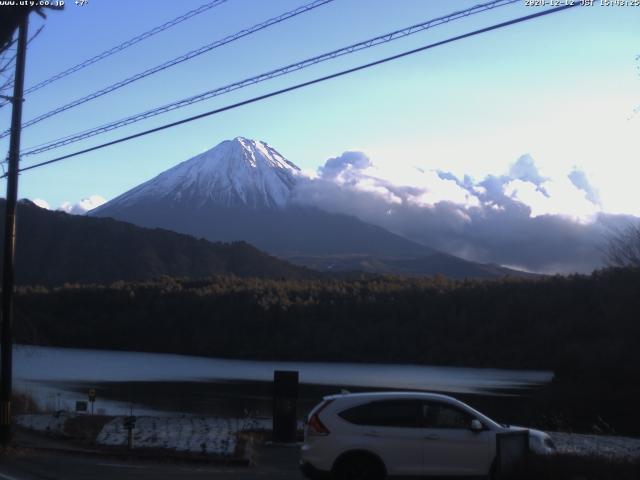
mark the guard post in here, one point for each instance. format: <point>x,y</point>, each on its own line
<point>130,425</point>
<point>285,399</point>
<point>512,449</point>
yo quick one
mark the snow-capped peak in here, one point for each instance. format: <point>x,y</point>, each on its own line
<point>235,172</point>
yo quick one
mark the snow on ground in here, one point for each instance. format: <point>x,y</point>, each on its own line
<point>185,434</point>
<point>600,445</point>
<point>49,423</point>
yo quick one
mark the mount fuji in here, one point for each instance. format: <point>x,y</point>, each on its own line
<point>235,173</point>
<point>242,189</point>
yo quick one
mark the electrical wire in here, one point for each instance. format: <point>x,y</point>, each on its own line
<point>302,85</point>
<point>175,61</point>
<point>9,84</point>
<point>388,37</point>
<point>124,45</point>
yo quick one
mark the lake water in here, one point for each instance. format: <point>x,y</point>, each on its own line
<point>152,383</point>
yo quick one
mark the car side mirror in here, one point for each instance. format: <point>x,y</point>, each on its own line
<point>476,425</point>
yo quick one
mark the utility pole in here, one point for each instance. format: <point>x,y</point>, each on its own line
<point>8,274</point>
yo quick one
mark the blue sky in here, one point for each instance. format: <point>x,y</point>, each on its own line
<point>561,88</point>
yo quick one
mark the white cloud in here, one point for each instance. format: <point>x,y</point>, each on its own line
<point>41,203</point>
<point>83,206</point>
<point>340,167</point>
<point>552,198</point>
<point>521,217</point>
<point>525,169</point>
<point>579,179</point>
<point>409,185</point>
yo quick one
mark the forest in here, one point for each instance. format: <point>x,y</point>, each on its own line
<point>583,328</point>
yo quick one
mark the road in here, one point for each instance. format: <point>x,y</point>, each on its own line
<point>272,463</point>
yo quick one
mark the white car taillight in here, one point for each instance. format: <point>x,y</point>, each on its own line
<point>315,427</point>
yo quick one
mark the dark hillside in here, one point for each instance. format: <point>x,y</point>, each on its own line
<point>54,248</point>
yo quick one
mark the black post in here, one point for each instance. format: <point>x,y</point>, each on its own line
<point>6,336</point>
<point>285,398</point>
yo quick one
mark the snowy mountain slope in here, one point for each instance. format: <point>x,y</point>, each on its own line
<point>238,172</point>
<point>241,190</point>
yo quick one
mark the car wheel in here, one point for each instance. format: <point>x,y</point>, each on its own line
<point>359,467</point>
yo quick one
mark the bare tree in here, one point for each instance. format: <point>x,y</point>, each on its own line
<point>623,247</point>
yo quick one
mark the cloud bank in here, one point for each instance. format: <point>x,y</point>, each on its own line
<point>83,206</point>
<point>77,208</point>
<point>519,218</point>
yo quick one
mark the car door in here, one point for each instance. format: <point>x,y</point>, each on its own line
<point>450,446</point>
<point>391,429</point>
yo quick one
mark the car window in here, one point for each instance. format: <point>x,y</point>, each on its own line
<point>385,413</point>
<point>442,415</point>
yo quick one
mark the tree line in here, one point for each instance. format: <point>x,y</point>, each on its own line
<point>583,327</point>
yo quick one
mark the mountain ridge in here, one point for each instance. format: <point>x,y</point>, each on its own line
<point>53,248</point>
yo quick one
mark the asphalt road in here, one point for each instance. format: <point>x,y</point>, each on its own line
<point>272,463</point>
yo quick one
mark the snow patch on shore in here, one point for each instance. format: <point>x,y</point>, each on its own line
<point>47,423</point>
<point>623,448</point>
<point>208,435</point>
<point>183,434</point>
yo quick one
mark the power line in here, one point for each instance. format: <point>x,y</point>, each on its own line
<point>302,85</point>
<point>388,37</point>
<point>175,61</point>
<point>7,64</point>
<point>9,84</point>
<point>124,45</point>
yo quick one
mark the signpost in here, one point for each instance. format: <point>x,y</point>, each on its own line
<point>130,424</point>
<point>92,397</point>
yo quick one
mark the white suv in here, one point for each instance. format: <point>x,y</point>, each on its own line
<point>369,436</point>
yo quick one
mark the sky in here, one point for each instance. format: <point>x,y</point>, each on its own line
<point>538,115</point>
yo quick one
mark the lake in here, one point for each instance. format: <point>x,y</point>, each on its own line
<point>163,384</point>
